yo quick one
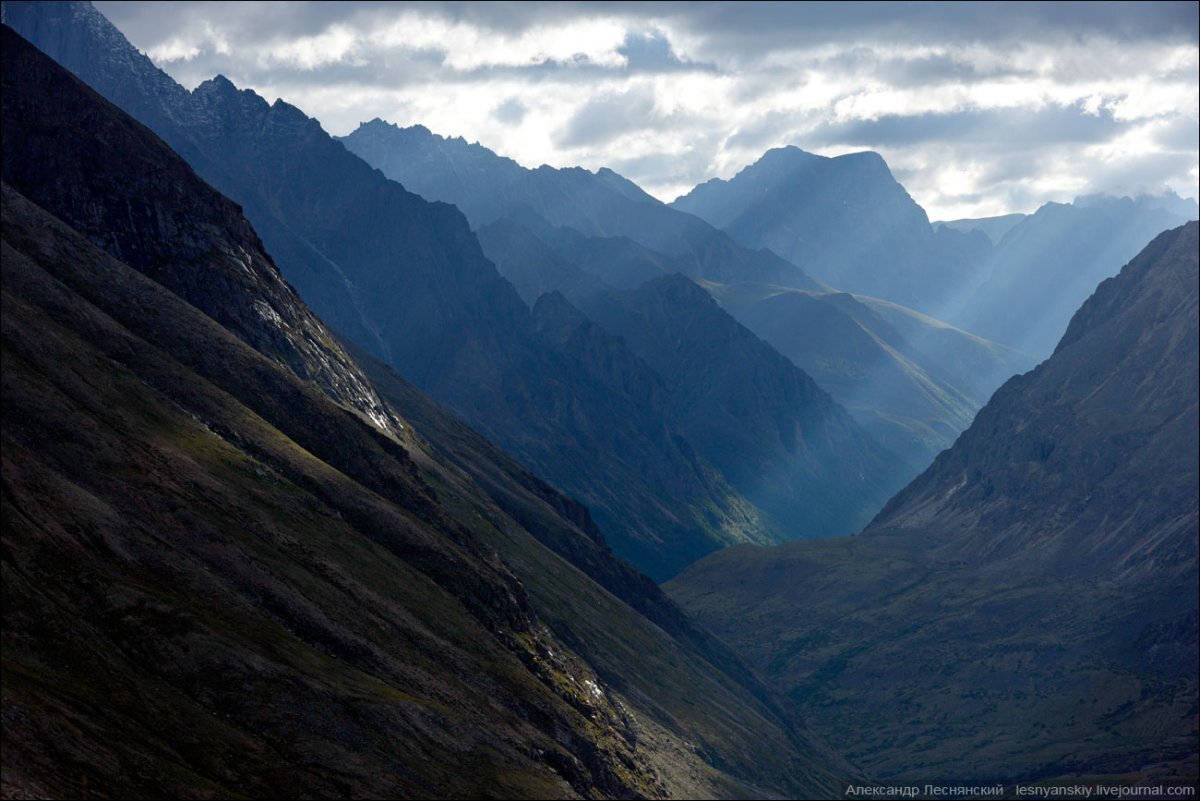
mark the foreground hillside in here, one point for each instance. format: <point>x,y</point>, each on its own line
<point>234,567</point>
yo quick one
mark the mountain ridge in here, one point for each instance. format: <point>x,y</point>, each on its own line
<point>207,604</point>
<point>1030,599</point>
<point>406,279</point>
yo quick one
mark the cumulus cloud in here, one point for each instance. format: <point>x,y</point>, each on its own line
<point>604,118</point>
<point>511,111</point>
<point>980,108</point>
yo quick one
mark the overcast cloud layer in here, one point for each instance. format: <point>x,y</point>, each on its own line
<point>979,108</point>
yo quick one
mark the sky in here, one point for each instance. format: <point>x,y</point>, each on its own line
<point>979,108</point>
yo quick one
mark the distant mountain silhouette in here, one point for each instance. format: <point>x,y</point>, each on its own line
<point>1048,263</point>
<point>1031,599</point>
<point>602,204</point>
<point>1014,279</point>
<point>994,227</point>
<point>845,221</point>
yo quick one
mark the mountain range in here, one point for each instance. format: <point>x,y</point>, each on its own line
<point>1030,599</point>
<point>235,564</point>
<point>847,222</point>
<point>384,466</point>
<point>406,280</point>
<point>906,390</point>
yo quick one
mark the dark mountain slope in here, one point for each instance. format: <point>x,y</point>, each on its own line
<point>148,209</point>
<point>203,605</point>
<point>602,204</point>
<point>781,440</point>
<point>406,279</point>
<point>1098,438</point>
<point>218,579</point>
<point>1027,608</point>
<point>846,221</point>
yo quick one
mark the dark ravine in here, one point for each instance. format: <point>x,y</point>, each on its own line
<point>1030,599</point>
<point>224,577</point>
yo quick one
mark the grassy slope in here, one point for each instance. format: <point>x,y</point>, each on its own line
<point>919,671</point>
<point>196,603</point>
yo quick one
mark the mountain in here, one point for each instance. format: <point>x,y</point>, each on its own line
<point>778,438</point>
<point>912,382</point>
<point>1046,265</point>
<point>1026,609</point>
<point>604,226</point>
<point>488,187</point>
<point>994,227</point>
<point>405,279</point>
<point>234,564</point>
<point>844,220</point>
<point>533,268</point>
<point>1014,279</point>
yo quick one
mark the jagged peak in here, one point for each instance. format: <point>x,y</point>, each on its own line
<point>219,86</point>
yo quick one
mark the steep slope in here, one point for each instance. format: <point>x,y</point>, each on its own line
<point>603,204</point>
<point>180,559</point>
<point>221,577</point>
<point>913,382</point>
<point>846,221</point>
<point>1100,437</point>
<point>1048,263</point>
<point>405,279</point>
<point>1027,608</point>
<point>779,439</point>
<point>167,225</point>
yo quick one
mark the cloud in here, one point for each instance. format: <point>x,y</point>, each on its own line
<point>511,111</point>
<point>604,118</point>
<point>1006,128</point>
<point>651,51</point>
<point>980,108</point>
